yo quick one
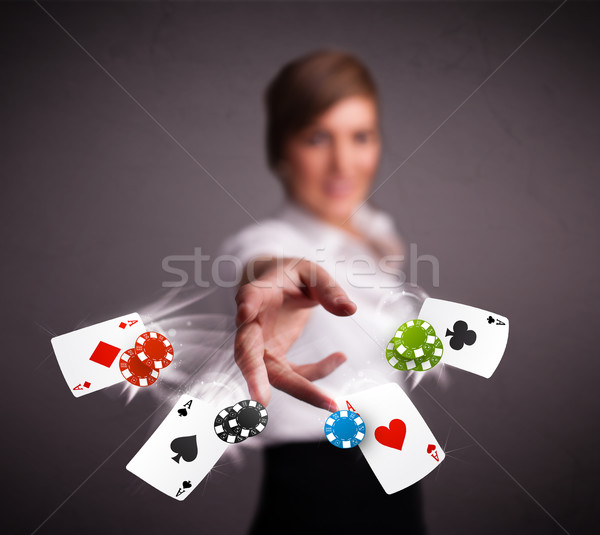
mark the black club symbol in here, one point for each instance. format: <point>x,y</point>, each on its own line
<point>461,335</point>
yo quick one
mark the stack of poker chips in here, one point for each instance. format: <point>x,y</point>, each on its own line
<point>141,364</point>
<point>414,347</point>
<point>243,420</point>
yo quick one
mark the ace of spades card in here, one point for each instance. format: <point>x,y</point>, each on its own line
<point>182,450</point>
<point>474,340</point>
<point>398,444</point>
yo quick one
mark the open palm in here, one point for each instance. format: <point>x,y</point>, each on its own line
<point>271,313</point>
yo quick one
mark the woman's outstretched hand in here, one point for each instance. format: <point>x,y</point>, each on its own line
<point>271,312</point>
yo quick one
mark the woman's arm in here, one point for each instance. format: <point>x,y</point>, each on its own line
<point>273,304</point>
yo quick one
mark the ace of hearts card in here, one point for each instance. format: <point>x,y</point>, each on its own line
<point>398,445</point>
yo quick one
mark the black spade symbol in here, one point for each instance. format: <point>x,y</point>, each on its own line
<point>182,412</point>
<point>186,484</point>
<point>185,448</point>
<point>461,335</point>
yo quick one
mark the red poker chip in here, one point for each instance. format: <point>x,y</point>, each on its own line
<point>155,349</point>
<point>135,371</point>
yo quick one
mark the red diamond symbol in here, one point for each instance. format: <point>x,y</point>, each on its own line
<point>105,354</point>
<point>87,384</point>
<point>122,325</point>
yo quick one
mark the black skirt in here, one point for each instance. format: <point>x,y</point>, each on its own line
<point>314,487</point>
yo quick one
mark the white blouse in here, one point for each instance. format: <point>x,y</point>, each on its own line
<point>375,288</point>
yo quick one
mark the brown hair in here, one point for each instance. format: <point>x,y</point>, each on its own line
<point>307,86</point>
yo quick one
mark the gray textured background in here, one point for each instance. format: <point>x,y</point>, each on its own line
<point>505,194</point>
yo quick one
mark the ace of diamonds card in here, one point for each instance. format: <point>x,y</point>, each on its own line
<point>89,357</point>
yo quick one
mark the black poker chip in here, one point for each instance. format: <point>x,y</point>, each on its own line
<point>223,430</point>
<point>247,418</point>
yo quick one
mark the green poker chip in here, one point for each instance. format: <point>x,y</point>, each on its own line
<point>414,347</point>
<point>412,336</point>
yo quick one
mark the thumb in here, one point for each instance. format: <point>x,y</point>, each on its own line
<point>320,369</point>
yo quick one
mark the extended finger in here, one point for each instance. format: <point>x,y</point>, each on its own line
<point>249,299</point>
<point>321,287</point>
<point>320,369</point>
<point>249,356</point>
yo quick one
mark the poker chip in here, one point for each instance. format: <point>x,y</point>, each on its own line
<point>412,337</point>
<point>345,429</point>
<point>223,430</point>
<point>248,418</point>
<point>431,357</point>
<point>135,371</point>
<point>414,347</point>
<point>154,348</point>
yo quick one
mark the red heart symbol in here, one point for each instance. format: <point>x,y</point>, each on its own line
<point>392,437</point>
<point>430,448</point>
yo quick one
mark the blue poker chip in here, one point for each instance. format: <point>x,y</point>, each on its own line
<point>345,429</point>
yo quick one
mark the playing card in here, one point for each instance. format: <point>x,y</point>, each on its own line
<point>182,451</point>
<point>398,445</point>
<point>474,340</point>
<point>89,357</point>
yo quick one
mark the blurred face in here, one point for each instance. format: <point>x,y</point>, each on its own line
<point>329,166</point>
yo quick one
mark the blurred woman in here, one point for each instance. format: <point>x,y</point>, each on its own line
<point>314,275</point>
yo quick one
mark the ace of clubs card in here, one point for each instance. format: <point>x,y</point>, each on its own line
<point>474,340</point>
